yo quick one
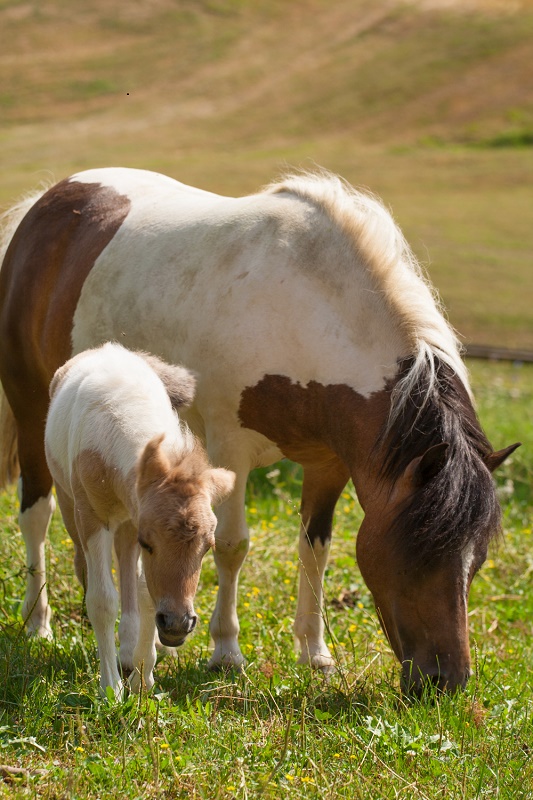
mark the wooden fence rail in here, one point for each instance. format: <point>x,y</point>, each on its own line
<point>494,353</point>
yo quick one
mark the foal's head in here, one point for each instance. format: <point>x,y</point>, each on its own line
<point>428,524</point>
<point>176,529</point>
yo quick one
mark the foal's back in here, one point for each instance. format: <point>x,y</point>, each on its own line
<point>107,402</point>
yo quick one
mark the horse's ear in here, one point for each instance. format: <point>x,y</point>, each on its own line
<point>422,469</point>
<point>153,465</point>
<point>495,459</point>
<point>219,483</point>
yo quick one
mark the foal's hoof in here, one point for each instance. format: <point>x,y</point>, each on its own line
<point>125,667</point>
<point>172,652</point>
<point>320,662</point>
<point>327,670</point>
<point>135,683</point>
<point>228,663</point>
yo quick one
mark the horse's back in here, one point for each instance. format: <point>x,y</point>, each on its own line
<point>233,288</point>
<point>222,284</point>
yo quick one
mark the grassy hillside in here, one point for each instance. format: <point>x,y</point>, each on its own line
<point>428,103</point>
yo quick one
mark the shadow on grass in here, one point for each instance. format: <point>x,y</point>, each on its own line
<point>265,691</point>
<point>31,667</point>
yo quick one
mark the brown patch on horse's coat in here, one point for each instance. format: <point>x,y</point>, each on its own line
<point>330,429</point>
<point>62,235</point>
<point>316,423</point>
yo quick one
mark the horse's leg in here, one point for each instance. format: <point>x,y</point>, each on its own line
<point>36,508</point>
<point>145,655</point>
<point>322,486</point>
<point>230,551</point>
<point>127,551</point>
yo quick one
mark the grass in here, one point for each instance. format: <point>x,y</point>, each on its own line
<point>278,730</point>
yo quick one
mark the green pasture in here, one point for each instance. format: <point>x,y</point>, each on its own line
<point>278,730</point>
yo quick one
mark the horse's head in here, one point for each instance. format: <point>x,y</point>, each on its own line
<point>419,568</point>
<point>176,529</point>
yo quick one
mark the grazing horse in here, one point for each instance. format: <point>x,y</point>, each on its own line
<point>128,473</point>
<point>314,336</point>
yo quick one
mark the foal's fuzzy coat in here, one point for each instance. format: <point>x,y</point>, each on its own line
<point>128,473</point>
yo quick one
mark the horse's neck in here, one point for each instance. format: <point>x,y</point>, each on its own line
<point>360,447</point>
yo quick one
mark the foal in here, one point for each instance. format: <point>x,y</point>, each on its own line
<point>128,473</point>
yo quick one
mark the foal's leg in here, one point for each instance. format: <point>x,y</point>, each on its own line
<point>322,486</point>
<point>101,597</point>
<point>230,551</point>
<point>145,654</point>
<point>66,504</point>
<point>127,551</point>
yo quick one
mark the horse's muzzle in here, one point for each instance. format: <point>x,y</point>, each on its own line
<point>174,629</point>
<point>419,683</point>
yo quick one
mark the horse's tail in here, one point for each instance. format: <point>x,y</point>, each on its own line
<point>9,463</point>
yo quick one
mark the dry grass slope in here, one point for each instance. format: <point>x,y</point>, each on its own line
<point>272,70</point>
<point>428,102</point>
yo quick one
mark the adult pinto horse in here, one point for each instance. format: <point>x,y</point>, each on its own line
<point>313,336</point>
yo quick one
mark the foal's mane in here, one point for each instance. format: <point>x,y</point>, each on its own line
<point>430,399</point>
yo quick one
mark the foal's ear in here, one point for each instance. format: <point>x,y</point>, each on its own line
<point>422,469</point>
<point>153,465</point>
<point>219,483</point>
<point>495,459</point>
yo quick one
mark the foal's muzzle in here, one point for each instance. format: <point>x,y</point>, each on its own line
<point>173,629</point>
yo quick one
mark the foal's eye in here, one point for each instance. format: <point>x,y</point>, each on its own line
<point>146,546</point>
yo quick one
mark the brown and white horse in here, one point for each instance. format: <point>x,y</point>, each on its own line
<point>128,473</point>
<point>313,336</point>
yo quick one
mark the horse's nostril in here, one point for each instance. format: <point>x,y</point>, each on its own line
<point>193,619</point>
<point>162,621</point>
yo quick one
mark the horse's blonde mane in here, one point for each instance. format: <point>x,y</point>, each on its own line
<point>380,246</point>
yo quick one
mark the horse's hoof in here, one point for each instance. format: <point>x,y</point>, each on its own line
<point>40,632</point>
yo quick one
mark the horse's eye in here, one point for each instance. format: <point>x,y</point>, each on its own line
<point>146,546</point>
